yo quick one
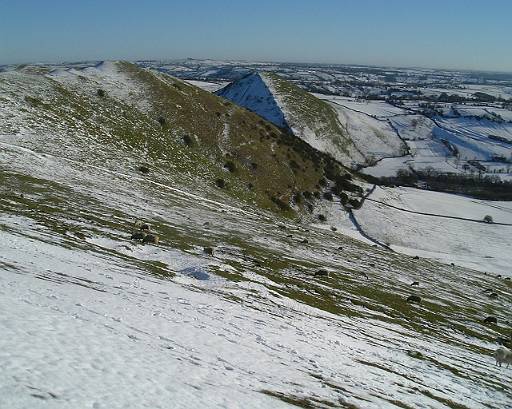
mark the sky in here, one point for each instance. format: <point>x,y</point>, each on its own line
<point>464,34</point>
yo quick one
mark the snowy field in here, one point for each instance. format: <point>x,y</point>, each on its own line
<point>393,216</point>
<point>376,109</point>
<point>374,137</point>
<point>208,86</point>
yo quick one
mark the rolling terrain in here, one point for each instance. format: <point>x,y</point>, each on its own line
<point>254,296</point>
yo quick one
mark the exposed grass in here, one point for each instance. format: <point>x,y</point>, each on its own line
<point>310,111</point>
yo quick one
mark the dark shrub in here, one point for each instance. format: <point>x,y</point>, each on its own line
<point>220,183</point>
<point>328,196</point>
<point>161,120</point>
<point>280,203</point>
<point>307,195</point>
<point>101,93</point>
<point>187,140</point>
<point>322,218</point>
<point>208,251</point>
<point>143,169</point>
<point>343,198</point>
<point>297,198</point>
<point>414,298</point>
<point>230,165</point>
<point>294,165</point>
<point>356,204</point>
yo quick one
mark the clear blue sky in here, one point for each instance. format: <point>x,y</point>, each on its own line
<point>431,33</point>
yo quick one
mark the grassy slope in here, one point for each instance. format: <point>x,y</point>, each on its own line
<point>305,110</point>
<point>269,164</point>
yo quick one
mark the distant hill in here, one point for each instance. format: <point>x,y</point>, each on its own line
<point>347,136</point>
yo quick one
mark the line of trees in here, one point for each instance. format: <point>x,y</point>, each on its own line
<point>489,187</point>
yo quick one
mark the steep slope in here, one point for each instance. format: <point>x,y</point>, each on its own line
<point>131,117</point>
<point>325,126</point>
<point>91,318</point>
<point>252,93</point>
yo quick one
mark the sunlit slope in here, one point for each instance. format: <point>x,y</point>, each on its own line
<point>180,131</point>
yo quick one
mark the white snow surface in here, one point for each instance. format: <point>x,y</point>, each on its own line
<point>253,93</point>
<point>376,109</point>
<point>469,243</point>
<point>84,324</point>
<point>208,86</point>
<point>374,137</point>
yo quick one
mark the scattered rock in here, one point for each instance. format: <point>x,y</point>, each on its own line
<point>143,169</point>
<point>414,298</point>
<point>333,228</point>
<point>322,273</point>
<point>416,257</point>
<point>305,241</point>
<point>138,235</point>
<point>144,226</point>
<point>151,238</point>
<point>491,320</point>
<point>322,218</point>
<point>208,251</point>
<point>415,283</point>
<point>493,295</point>
<point>415,354</point>
<point>220,183</point>
<point>340,248</point>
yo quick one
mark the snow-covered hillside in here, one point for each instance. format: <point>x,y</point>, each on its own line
<point>252,93</point>
<point>93,319</point>
<point>243,302</point>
